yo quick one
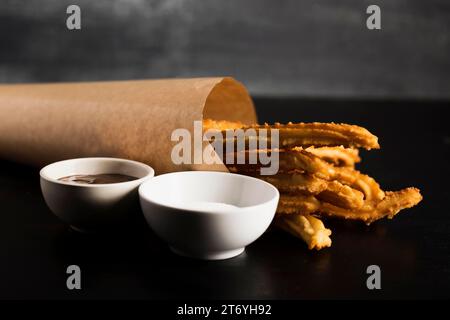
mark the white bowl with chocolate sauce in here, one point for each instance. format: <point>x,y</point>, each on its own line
<point>208,215</point>
<point>92,194</point>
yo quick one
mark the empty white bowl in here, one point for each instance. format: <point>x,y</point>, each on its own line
<point>92,207</point>
<point>208,215</point>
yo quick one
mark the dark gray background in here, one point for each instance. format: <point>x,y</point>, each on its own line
<point>307,48</point>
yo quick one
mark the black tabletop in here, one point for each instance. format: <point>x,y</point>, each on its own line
<point>412,250</point>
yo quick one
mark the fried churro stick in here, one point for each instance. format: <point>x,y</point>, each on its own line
<point>297,182</point>
<point>348,196</point>
<point>369,212</point>
<point>312,164</point>
<point>308,228</point>
<point>336,194</point>
<point>338,156</point>
<point>291,159</point>
<point>359,181</point>
<point>296,158</point>
<point>221,125</point>
<point>342,196</point>
<point>372,211</point>
<point>305,134</point>
<point>288,160</point>
<point>303,204</point>
<point>323,134</point>
<point>323,178</point>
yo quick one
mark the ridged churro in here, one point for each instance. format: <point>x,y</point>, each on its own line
<point>316,176</point>
<point>310,229</point>
<point>305,134</point>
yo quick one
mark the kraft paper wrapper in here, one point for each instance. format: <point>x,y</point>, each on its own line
<point>43,123</point>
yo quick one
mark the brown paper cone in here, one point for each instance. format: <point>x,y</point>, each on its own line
<point>43,123</point>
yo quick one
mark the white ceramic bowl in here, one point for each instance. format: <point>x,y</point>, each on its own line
<point>208,215</point>
<point>93,207</point>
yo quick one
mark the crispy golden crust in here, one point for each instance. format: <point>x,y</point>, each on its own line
<point>375,210</point>
<point>292,204</point>
<point>288,160</point>
<point>338,156</point>
<point>322,134</point>
<point>309,134</point>
<point>343,192</point>
<point>334,193</point>
<point>302,184</point>
<point>209,124</point>
<point>293,159</point>
<point>342,196</point>
<point>361,182</point>
<point>297,182</point>
<point>308,228</point>
<point>343,186</point>
<point>314,165</point>
<point>369,212</point>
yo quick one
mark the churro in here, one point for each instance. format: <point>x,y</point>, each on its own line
<point>316,176</point>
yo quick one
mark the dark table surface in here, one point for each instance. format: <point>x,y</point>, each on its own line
<point>412,250</point>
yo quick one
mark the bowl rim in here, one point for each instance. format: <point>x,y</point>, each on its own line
<point>150,172</point>
<point>145,197</point>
